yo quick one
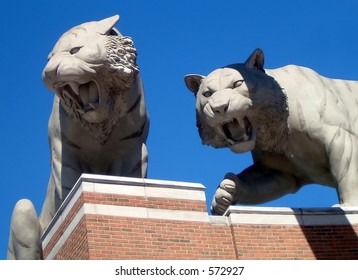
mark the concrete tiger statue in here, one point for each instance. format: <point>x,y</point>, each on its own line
<point>99,123</point>
<point>300,127</point>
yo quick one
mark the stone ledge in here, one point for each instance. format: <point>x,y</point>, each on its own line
<point>128,181</point>
<point>292,216</point>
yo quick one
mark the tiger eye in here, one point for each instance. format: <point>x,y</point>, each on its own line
<point>238,83</point>
<point>207,94</point>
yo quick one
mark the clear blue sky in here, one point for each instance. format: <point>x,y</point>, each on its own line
<point>173,38</point>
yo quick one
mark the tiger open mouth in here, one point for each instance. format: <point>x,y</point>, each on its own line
<point>84,97</point>
<point>237,130</point>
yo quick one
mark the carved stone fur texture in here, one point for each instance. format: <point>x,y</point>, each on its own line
<point>300,127</point>
<point>99,123</point>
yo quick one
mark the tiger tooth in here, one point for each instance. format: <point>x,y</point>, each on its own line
<point>75,87</point>
<point>246,137</point>
<point>241,123</point>
<point>93,93</point>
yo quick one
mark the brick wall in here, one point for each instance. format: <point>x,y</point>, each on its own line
<point>107,217</point>
<point>285,233</point>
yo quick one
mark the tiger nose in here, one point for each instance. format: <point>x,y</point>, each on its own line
<point>49,74</point>
<point>219,103</point>
<point>220,108</point>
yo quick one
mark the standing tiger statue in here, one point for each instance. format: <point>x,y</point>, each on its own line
<point>300,127</point>
<point>99,123</point>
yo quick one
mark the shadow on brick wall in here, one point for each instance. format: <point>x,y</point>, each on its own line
<point>330,234</point>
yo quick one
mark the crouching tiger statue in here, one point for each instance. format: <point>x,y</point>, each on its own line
<point>99,123</point>
<point>300,127</point>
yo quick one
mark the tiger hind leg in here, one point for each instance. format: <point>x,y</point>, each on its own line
<point>25,233</point>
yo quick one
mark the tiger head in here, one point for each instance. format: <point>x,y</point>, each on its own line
<point>241,107</point>
<point>87,69</point>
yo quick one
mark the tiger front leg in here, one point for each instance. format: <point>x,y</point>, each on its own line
<point>256,184</point>
<point>25,233</point>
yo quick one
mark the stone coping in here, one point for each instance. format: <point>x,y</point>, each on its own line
<point>292,216</point>
<point>144,182</point>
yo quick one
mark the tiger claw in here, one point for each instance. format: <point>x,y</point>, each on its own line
<point>224,195</point>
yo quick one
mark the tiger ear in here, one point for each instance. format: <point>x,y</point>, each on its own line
<point>256,60</point>
<point>104,26</point>
<point>193,82</point>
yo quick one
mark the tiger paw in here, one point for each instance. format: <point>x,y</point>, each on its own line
<point>224,195</point>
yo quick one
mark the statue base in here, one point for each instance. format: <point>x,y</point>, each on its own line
<point>107,217</point>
